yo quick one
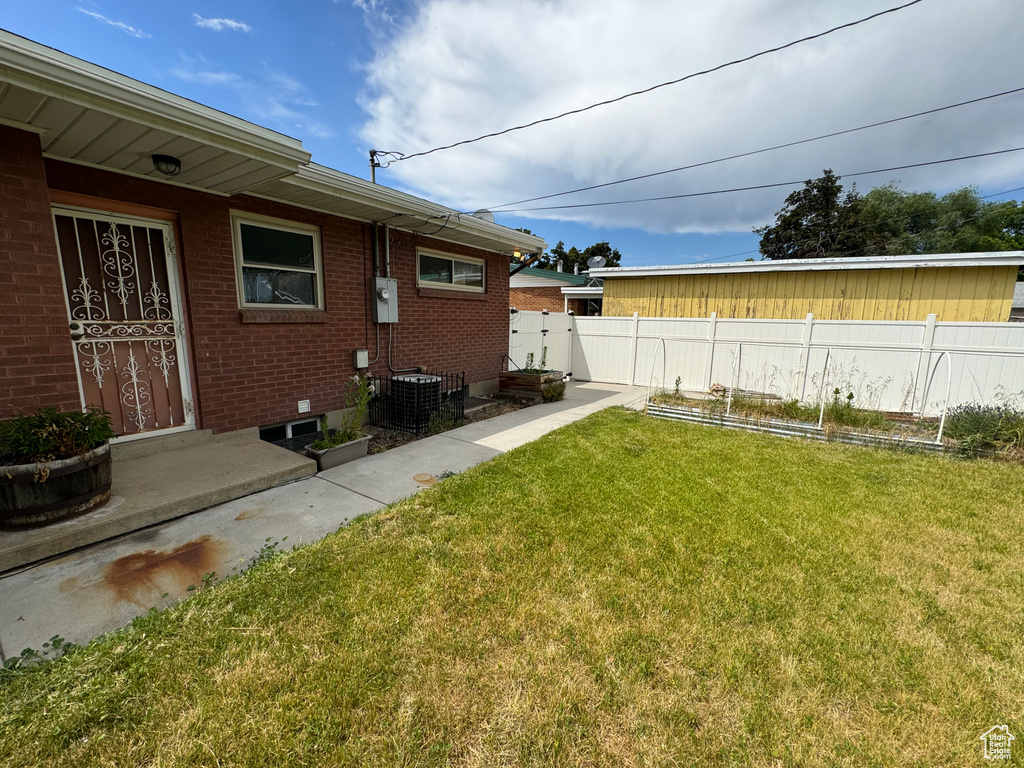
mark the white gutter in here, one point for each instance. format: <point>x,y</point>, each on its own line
<point>988,259</point>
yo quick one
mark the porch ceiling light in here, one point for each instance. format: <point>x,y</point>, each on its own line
<point>167,164</point>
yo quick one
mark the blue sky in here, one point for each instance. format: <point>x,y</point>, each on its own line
<point>347,76</point>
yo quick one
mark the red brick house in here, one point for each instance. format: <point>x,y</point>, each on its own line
<point>221,293</point>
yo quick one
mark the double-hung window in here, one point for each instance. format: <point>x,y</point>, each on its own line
<point>278,264</point>
<point>457,273</point>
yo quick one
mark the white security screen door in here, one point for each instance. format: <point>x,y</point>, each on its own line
<point>124,315</point>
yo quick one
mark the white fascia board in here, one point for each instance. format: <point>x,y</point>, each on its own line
<point>52,73</point>
<point>391,202</point>
<point>988,259</point>
<point>575,291</point>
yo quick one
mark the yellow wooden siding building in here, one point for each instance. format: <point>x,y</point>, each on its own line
<point>978,288</point>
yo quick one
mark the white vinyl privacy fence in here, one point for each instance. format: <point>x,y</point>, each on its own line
<point>891,366</point>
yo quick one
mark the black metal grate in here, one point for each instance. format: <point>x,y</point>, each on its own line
<point>407,402</point>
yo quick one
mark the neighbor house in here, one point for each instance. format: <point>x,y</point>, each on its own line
<point>533,288</point>
<point>186,269</point>
<point>1017,309</point>
<point>954,287</point>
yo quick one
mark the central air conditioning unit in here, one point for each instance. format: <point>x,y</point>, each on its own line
<point>415,398</point>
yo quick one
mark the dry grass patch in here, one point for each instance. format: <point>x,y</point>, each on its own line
<point>625,591</point>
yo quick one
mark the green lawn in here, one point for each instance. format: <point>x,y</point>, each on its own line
<point>624,591</point>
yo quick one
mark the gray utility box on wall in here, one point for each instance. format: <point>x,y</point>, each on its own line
<point>384,301</point>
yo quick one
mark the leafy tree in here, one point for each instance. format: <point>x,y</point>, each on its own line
<point>819,221</point>
<point>574,256</point>
<point>816,222</point>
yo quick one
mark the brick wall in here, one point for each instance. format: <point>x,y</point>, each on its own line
<point>536,299</point>
<point>251,372</point>
<point>37,366</point>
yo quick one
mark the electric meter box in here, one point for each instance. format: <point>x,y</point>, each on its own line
<point>384,301</point>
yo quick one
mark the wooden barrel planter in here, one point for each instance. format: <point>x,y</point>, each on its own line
<point>32,495</point>
<point>519,384</point>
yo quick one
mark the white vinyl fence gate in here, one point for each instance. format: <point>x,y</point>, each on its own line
<point>889,366</point>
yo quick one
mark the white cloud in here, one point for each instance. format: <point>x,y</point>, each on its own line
<point>462,68</point>
<point>128,30</point>
<point>219,25</point>
<point>264,95</point>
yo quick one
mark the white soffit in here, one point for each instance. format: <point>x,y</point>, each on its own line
<point>988,259</point>
<point>89,115</point>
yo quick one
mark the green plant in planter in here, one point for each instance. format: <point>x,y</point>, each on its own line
<point>542,368</point>
<point>358,400</point>
<point>50,435</point>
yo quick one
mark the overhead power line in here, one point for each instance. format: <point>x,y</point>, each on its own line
<point>690,76</point>
<point>759,186</point>
<point>755,151</point>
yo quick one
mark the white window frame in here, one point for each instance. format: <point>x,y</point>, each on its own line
<point>450,257</point>
<point>238,218</point>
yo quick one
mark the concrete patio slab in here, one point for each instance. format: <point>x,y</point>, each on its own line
<point>148,489</point>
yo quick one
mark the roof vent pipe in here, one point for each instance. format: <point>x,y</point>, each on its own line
<point>576,268</point>
<point>558,265</point>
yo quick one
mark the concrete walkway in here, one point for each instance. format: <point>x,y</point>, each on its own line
<point>104,586</point>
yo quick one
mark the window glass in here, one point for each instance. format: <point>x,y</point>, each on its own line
<point>275,286</point>
<point>469,274</point>
<point>435,270</point>
<point>262,245</point>
<point>464,274</point>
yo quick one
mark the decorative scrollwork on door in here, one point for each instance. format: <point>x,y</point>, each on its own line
<point>118,262</point>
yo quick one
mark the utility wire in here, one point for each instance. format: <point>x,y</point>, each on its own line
<point>660,85</point>
<point>756,151</point>
<point>760,186</point>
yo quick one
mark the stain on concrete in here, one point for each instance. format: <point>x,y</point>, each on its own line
<point>69,585</point>
<point>424,479</point>
<point>142,578</point>
<point>251,514</point>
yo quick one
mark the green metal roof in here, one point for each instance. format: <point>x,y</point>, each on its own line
<point>551,274</point>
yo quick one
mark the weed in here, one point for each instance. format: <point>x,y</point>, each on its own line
<point>978,426</point>
<point>54,648</point>
<point>441,421</point>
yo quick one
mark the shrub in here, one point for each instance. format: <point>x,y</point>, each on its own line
<point>553,391</point>
<point>50,434</point>
<point>985,426</point>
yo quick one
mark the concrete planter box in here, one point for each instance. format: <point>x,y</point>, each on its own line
<point>340,454</point>
<point>519,384</point>
<point>32,495</point>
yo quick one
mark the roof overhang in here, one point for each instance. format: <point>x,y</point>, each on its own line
<point>931,260</point>
<point>321,188</point>
<point>92,116</point>
<point>89,115</point>
<point>583,292</point>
